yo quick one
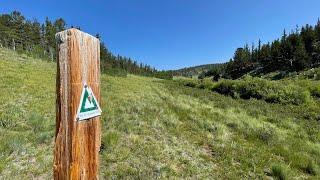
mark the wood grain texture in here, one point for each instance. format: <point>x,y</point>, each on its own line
<point>77,143</point>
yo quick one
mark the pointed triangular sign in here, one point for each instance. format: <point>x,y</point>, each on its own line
<point>88,107</point>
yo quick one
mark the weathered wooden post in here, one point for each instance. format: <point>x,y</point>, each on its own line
<point>77,140</point>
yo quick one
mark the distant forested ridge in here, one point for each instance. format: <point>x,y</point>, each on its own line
<point>194,71</point>
<point>38,40</point>
<point>294,51</point>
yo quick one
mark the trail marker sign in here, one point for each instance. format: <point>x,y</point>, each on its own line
<point>89,106</point>
<point>77,142</point>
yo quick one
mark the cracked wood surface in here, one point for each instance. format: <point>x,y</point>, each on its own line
<point>77,143</point>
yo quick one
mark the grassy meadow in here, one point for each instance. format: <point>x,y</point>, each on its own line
<point>156,128</point>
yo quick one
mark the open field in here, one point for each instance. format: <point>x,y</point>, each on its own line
<point>157,129</point>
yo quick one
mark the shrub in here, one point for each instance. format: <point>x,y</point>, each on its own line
<point>190,83</point>
<point>284,92</point>
<point>317,74</point>
<point>224,87</point>
<point>205,84</point>
<point>312,86</point>
<point>315,90</point>
<point>270,91</point>
<point>163,75</point>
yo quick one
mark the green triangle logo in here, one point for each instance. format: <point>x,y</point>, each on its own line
<point>88,107</point>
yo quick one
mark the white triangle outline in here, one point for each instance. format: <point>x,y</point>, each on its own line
<point>90,114</point>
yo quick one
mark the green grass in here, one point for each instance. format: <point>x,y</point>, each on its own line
<point>157,129</point>
<point>279,172</point>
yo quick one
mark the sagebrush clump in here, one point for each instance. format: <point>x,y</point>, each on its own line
<point>283,92</point>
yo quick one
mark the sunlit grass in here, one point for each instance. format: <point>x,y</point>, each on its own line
<point>156,129</point>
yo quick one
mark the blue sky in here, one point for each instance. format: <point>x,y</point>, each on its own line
<point>171,34</point>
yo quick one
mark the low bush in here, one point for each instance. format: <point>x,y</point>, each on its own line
<point>205,84</point>
<point>163,75</point>
<point>284,92</point>
<point>188,82</point>
<point>317,74</point>
<point>313,73</point>
<point>312,86</point>
<point>270,91</point>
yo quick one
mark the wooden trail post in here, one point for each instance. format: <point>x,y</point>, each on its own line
<point>77,140</point>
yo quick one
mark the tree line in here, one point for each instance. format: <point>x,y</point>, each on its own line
<point>38,40</point>
<point>294,51</point>
<point>29,36</point>
<point>194,71</point>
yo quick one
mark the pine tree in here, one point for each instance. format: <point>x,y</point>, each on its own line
<point>276,56</point>
<point>49,38</point>
<point>265,57</point>
<point>308,36</point>
<point>317,30</point>
<point>316,54</point>
<point>59,25</point>
<point>301,59</point>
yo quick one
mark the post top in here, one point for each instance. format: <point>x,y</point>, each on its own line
<point>59,36</point>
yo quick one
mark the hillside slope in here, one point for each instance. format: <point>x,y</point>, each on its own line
<point>194,71</point>
<point>156,128</point>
